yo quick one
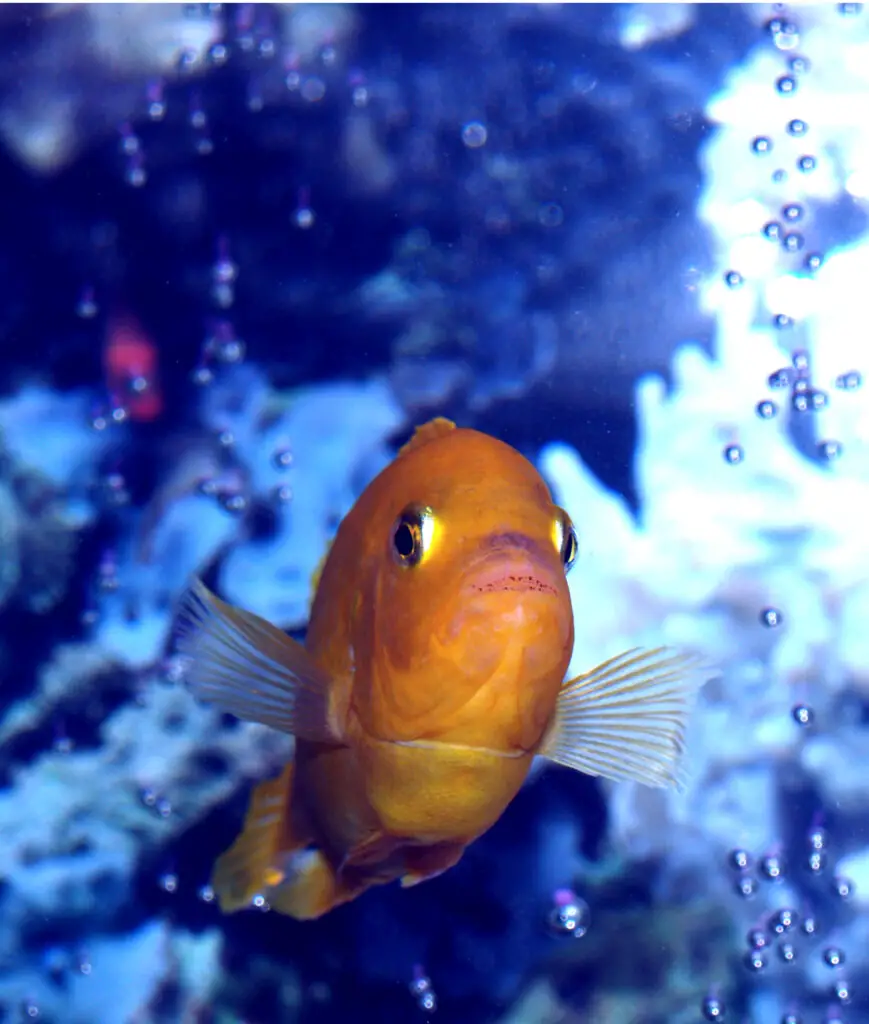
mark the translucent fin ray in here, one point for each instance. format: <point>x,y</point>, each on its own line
<point>249,668</point>
<point>627,718</point>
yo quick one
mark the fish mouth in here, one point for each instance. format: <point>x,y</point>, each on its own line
<point>510,574</point>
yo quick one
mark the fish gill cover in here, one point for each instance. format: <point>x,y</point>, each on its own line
<point>246,249</point>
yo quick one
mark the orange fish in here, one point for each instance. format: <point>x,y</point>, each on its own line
<point>432,673</point>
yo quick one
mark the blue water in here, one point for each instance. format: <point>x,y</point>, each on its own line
<point>245,250</point>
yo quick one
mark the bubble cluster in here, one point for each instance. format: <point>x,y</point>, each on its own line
<point>570,914</point>
<point>422,991</point>
<point>224,275</point>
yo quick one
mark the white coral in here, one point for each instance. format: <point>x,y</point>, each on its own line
<point>716,542</point>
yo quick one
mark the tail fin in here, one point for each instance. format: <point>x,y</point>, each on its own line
<point>252,864</point>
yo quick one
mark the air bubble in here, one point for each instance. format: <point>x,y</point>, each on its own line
<point>771,618</point>
<point>208,487</point>
<point>814,261</point>
<point>169,882</point>
<point>282,458</point>
<point>757,939</point>
<point>802,714</point>
<point>787,952</point>
<point>800,361</point>
<point>793,241</point>
<point>799,65</point>
<point>156,103</point>
<point>282,494</point>
<point>474,134</point>
<point>833,957</point>
<point>781,321</point>
<point>829,451</point>
<point>30,1010</point>
<point>224,271</point>
<point>713,1008</point>
<point>135,174</point>
<point>733,279</point>
<point>766,409</point>
<point>772,866</point>
<point>797,127</point>
<point>792,213</point>
<point>233,502</point>
<point>807,163</point>
<point>772,231</point>
<point>733,454</point>
<point>86,306</point>
<point>842,991</point>
<point>849,381</point>
<point>739,859</point>
<point>130,144</point>
<point>809,926</point>
<point>313,89</point>
<point>786,85</point>
<point>206,894</point>
<point>779,379</point>
<point>304,218</point>
<point>550,215</point>
<point>755,960</point>
<point>746,886</point>
<point>843,888</point>
<point>761,144</point>
<point>218,54</point>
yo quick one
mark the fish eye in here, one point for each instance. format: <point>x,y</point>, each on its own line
<point>411,535</point>
<point>565,539</point>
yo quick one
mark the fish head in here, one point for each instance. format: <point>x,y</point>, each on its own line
<point>471,626</point>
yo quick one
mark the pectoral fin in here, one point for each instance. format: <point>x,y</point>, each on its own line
<point>626,719</point>
<point>249,668</point>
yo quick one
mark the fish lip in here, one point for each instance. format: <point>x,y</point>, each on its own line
<point>510,573</point>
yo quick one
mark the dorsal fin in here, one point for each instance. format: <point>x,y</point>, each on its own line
<point>428,432</point>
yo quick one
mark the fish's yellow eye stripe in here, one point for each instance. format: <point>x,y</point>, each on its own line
<point>413,535</point>
<point>564,538</point>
